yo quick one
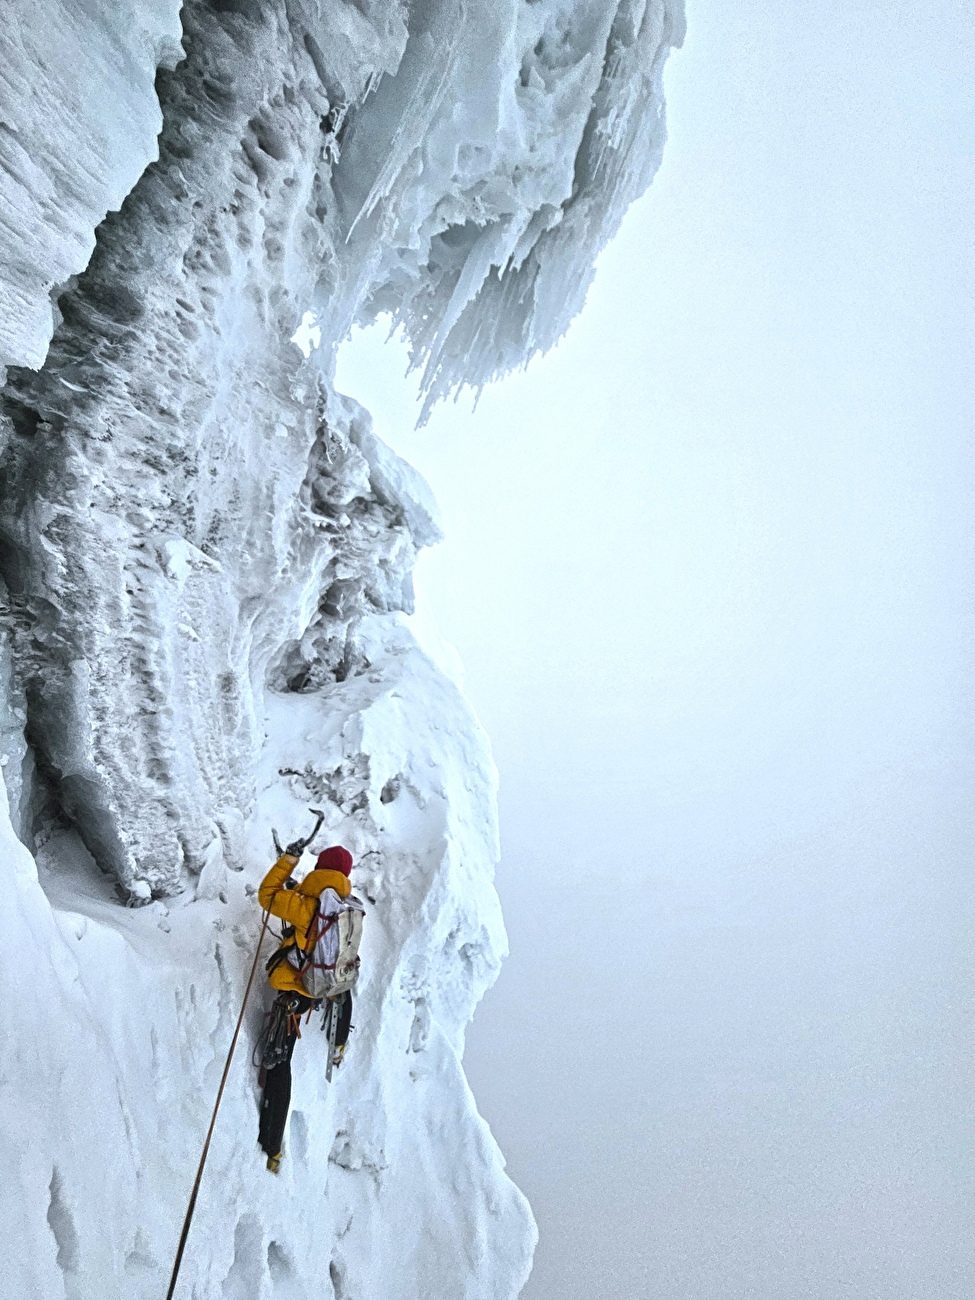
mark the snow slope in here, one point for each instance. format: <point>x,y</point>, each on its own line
<point>118,1022</point>
<point>206,556</point>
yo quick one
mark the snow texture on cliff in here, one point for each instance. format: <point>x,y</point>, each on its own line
<point>207,561</point>
<point>78,124</point>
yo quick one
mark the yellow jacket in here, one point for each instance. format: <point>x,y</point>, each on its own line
<point>296,907</point>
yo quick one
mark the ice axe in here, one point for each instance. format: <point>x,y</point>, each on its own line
<point>297,847</point>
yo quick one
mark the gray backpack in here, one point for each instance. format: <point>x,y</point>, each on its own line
<point>330,963</point>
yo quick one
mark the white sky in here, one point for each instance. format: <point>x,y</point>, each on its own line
<point>710,568</point>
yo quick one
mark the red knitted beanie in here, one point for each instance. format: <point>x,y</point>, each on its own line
<point>335,859</point>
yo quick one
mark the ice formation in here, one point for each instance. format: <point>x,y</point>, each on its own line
<point>207,560</point>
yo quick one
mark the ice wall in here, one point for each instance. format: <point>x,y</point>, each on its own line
<point>207,555</point>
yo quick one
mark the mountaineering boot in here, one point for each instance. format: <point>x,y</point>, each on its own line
<point>274,1163</point>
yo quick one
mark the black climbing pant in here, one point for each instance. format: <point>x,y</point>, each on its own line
<point>345,1019</point>
<point>278,1045</point>
<point>274,1108</point>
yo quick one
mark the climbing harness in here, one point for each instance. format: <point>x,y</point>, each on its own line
<point>282,1028</point>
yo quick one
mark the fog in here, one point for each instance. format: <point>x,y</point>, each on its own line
<point>709,567</point>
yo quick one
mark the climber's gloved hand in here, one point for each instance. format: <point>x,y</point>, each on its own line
<point>295,849</point>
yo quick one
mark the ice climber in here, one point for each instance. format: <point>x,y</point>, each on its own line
<point>308,910</point>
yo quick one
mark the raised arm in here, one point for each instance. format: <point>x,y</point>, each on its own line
<point>274,898</point>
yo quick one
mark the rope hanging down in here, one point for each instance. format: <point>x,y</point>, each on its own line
<point>213,1118</point>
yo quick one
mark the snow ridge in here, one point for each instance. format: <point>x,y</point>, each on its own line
<point>206,558</point>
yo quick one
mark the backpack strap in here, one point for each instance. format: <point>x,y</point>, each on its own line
<point>276,958</point>
<point>318,926</point>
<point>314,932</point>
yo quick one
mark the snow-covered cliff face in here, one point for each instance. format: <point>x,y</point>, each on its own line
<point>207,555</point>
